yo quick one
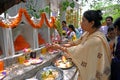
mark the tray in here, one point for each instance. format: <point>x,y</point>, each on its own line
<point>36,61</point>
<point>40,74</point>
<point>64,65</point>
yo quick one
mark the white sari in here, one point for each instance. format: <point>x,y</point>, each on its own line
<point>92,56</point>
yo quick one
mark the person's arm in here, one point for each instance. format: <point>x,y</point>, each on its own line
<point>69,44</point>
<point>74,43</point>
<point>56,47</point>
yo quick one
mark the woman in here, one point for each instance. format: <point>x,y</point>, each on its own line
<point>111,38</point>
<point>64,26</point>
<point>71,33</point>
<point>115,66</point>
<point>90,53</point>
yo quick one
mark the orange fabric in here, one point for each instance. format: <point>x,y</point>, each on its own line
<point>40,39</point>
<point>20,43</point>
<point>1,65</point>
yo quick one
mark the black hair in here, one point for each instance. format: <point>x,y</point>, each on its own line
<point>110,29</point>
<point>64,22</point>
<point>109,17</point>
<point>72,27</point>
<point>117,24</point>
<point>94,15</point>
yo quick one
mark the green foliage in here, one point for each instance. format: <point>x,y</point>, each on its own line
<point>31,9</point>
<point>112,10</point>
<point>66,3</point>
<point>35,10</point>
<point>107,7</point>
<point>72,5</point>
<point>100,4</point>
<point>41,10</point>
<point>46,9</point>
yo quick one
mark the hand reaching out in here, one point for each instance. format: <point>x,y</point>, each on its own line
<point>56,47</point>
<point>53,46</point>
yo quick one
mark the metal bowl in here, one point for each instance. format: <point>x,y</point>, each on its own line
<point>64,68</point>
<point>40,72</point>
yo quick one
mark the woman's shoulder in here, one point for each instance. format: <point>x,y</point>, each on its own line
<point>98,34</point>
<point>98,37</point>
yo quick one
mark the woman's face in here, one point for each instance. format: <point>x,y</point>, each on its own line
<point>86,25</point>
<point>111,34</point>
<point>63,24</point>
<point>117,32</point>
<point>70,29</point>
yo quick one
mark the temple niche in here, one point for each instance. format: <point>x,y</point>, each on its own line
<point>24,35</point>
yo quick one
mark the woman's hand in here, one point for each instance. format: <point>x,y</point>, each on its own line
<point>56,47</point>
<point>53,47</point>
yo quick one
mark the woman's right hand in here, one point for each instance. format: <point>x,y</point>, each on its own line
<point>53,46</point>
<point>56,47</point>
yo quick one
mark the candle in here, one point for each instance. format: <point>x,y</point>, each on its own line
<point>21,59</point>
<point>1,65</point>
<point>43,50</point>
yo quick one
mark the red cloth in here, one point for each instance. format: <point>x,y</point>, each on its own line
<point>40,39</point>
<point>20,43</point>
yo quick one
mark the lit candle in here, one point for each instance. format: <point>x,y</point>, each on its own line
<point>1,65</point>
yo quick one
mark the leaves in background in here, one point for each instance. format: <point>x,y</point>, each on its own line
<point>66,3</point>
<point>72,5</point>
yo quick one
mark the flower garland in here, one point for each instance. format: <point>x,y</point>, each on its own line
<point>51,24</point>
<point>17,20</point>
<point>29,19</point>
<point>41,21</point>
<point>3,25</point>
